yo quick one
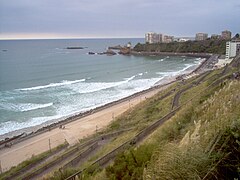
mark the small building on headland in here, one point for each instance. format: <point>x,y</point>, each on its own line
<point>201,36</point>
<point>182,39</point>
<point>126,49</point>
<point>129,45</point>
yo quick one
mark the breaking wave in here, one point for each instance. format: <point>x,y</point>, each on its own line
<point>63,83</point>
<point>174,73</point>
<point>23,107</point>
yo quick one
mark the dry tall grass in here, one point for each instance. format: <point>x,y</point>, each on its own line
<point>210,149</point>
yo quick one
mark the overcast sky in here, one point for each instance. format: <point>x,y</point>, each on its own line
<point>116,18</point>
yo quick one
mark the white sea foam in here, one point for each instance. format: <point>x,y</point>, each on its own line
<point>199,60</point>
<point>175,73</point>
<point>138,85</point>
<point>104,92</point>
<point>10,126</point>
<point>90,87</point>
<point>121,90</point>
<point>163,59</point>
<point>63,83</point>
<point>75,105</point>
<point>93,87</point>
<point>129,79</point>
<point>23,107</point>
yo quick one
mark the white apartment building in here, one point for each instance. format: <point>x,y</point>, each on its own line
<point>232,49</point>
<point>151,37</point>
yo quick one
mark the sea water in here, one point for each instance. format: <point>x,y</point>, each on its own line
<point>41,81</point>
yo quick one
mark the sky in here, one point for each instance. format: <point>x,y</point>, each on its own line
<point>115,18</point>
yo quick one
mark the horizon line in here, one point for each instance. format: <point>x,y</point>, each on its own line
<point>56,38</point>
<point>9,39</point>
<point>49,38</point>
<point>59,36</point>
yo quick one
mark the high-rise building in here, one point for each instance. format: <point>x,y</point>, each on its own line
<point>152,37</point>
<point>201,36</point>
<point>226,35</point>
<point>161,38</point>
<point>232,49</point>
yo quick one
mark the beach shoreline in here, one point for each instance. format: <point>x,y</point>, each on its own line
<point>74,130</point>
<point>38,129</point>
<point>30,131</point>
<point>24,133</point>
<point>77,127</point>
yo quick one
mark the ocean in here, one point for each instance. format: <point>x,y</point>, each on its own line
<point>41,81</point>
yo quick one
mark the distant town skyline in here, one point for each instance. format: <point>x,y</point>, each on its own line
<point>27,19</point>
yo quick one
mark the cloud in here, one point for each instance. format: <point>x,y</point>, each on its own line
<point>118,17</point>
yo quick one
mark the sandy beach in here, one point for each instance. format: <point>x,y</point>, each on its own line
<point>73,131</point>
<point>81,126</point>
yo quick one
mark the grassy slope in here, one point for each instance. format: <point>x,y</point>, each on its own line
<point>196,143</point>
<point>210,146</point>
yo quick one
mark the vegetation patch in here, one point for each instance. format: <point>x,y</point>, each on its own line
<point>207,46</point>
<point>34,160</point>
<point>192,144</point>
<point>208,151</point>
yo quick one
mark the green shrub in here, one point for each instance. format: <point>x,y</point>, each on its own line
<point>130,164</point>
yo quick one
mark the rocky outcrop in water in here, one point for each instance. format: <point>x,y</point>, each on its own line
<point>75,47</point>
